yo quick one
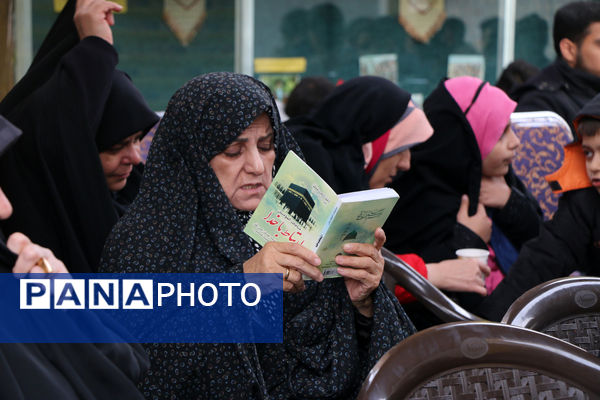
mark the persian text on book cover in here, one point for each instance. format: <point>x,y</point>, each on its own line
<point>295,208</point>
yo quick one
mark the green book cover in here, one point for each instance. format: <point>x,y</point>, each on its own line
<point>300,207</point>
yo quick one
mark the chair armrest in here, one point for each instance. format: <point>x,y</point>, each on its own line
<point>430,296</point>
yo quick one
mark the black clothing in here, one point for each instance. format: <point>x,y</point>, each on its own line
<point>53,175</point>
<point>8,134</point>
<point>182,221</point>
<point>558,88</point>
<point>125,113</point>
<point>444,168</point>
<point>56,183</point>
<point>7,257</point>
<point>568,242</point>
<point>424,219</point>
<point>355,113</point>
<point>37,371</point>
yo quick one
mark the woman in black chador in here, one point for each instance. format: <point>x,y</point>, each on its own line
<point>81,120</point>
<point>213,157</point>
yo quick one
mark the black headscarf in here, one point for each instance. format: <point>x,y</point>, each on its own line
<point>71,98</point>
<point>8,135</point>
<point>30,371</point>
<point>444,168</point>
<point>125,113</point>
<point>356,112</point>
<point>182,221</point>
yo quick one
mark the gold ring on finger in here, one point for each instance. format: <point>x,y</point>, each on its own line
<point>45,265</point>
<point>287,274</point>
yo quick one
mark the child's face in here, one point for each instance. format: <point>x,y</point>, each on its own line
<point>497,162</point>
<point>591,150</point>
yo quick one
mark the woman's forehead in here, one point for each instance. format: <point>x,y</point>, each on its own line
<point>262,124</point>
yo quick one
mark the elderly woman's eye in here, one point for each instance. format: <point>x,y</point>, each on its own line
<point>268,146</point>
<point>233,151</point>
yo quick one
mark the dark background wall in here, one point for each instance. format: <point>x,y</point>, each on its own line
<point>151,53</point>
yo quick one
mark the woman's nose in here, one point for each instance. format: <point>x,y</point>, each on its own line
<point>253,162</point>
<point>514,140</point>
<point>133,154</point>
<point>404,162</point>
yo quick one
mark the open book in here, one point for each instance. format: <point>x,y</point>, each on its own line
<point>300,207</point>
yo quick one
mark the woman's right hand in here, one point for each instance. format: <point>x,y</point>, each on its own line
<point>459,275</point>
<point>95,17</point>
<point>29,254</point>
<point>279,257</point>
<point>479,223</point>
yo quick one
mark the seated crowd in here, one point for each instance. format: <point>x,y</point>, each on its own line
<point>74,172</point>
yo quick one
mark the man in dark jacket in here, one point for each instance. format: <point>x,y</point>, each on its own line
<point>573,78</point>
<point>571,240</point>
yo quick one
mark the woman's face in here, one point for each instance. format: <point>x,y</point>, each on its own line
<point>498,161</point>
<point>118,161</point>
<point>244,168</point>
<point>387,169</point>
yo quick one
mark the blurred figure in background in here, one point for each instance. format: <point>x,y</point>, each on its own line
<point>574,77</point>
<point>515,74</point>
<point>307,94</point>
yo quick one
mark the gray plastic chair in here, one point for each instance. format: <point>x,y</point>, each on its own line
<point>566,308</point>
<point>483,360</point>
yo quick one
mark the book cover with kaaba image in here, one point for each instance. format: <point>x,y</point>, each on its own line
<point>300,207</point>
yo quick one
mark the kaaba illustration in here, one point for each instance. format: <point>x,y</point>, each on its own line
<point>350,235</point>
<point>298,200</point>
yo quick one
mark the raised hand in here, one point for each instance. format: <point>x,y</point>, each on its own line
<point>95,17</point>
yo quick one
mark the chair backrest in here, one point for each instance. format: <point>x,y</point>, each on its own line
<point>483,360</point>
<point>430,296</point>
<point>566,308</point>
<point>543,135</point>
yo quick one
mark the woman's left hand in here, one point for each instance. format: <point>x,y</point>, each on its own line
<point>362,271</point>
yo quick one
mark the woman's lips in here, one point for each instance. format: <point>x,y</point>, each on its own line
<point>251,186</point>
<point>124,175</point>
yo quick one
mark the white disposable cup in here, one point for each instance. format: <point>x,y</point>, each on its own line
<point>480,254</point>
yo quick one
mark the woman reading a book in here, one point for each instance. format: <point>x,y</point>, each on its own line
<point>213,157</point>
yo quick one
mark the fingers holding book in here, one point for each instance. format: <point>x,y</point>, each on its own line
<point>278,257</point>
<point>362,270</point>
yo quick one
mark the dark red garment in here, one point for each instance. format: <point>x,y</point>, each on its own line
<point>419,265</point>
